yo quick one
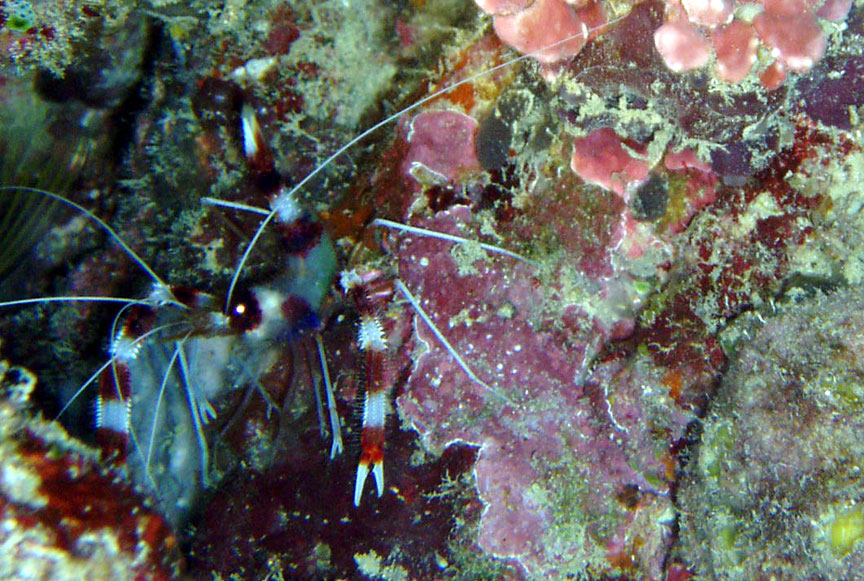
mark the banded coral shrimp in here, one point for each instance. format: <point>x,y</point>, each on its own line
<point>579,437</point>
<point>172,353</point>
<point>169,351</point>
<point>508,315</point>
<point>211,114</point>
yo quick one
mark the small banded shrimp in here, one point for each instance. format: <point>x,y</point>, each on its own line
<point>173,354</point>
<point>178,350</point>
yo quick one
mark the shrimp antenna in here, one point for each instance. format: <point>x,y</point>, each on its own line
<point>387,121</point>
<point>415,304</point>
<point>37,300</point>
<point>451,238</point>
<point>208,201</point>
<point>132,254</point>
<point>99,371</point>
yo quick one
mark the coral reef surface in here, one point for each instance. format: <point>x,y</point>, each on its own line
<point>616,248</point>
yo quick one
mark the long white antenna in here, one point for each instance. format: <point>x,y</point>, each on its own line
<point>113,358</point>
<point>388,120</point>
<point>72,300</point>
<point>447,346</point>
<point>451,238</point>
<point>132,254</point>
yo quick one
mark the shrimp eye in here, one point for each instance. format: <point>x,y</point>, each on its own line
<point>244,313</point>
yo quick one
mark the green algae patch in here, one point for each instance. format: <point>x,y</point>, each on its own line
<point>846,530</point>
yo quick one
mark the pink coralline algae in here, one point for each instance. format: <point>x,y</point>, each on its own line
<point>694,31</point>
<point>552,30</point>
<point>788,29</point>
<point>682,47</point>
<point>572,468</point>
<point>442,147</point>
<point>601,158</point>
<point>792,33</point>
<point>735,47</point>
<point>697,187</point>
<point>604,159</point>
<point>551,434</point>
<point>709,12</point>
<point>500,7</point>
<point>574,462</point>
